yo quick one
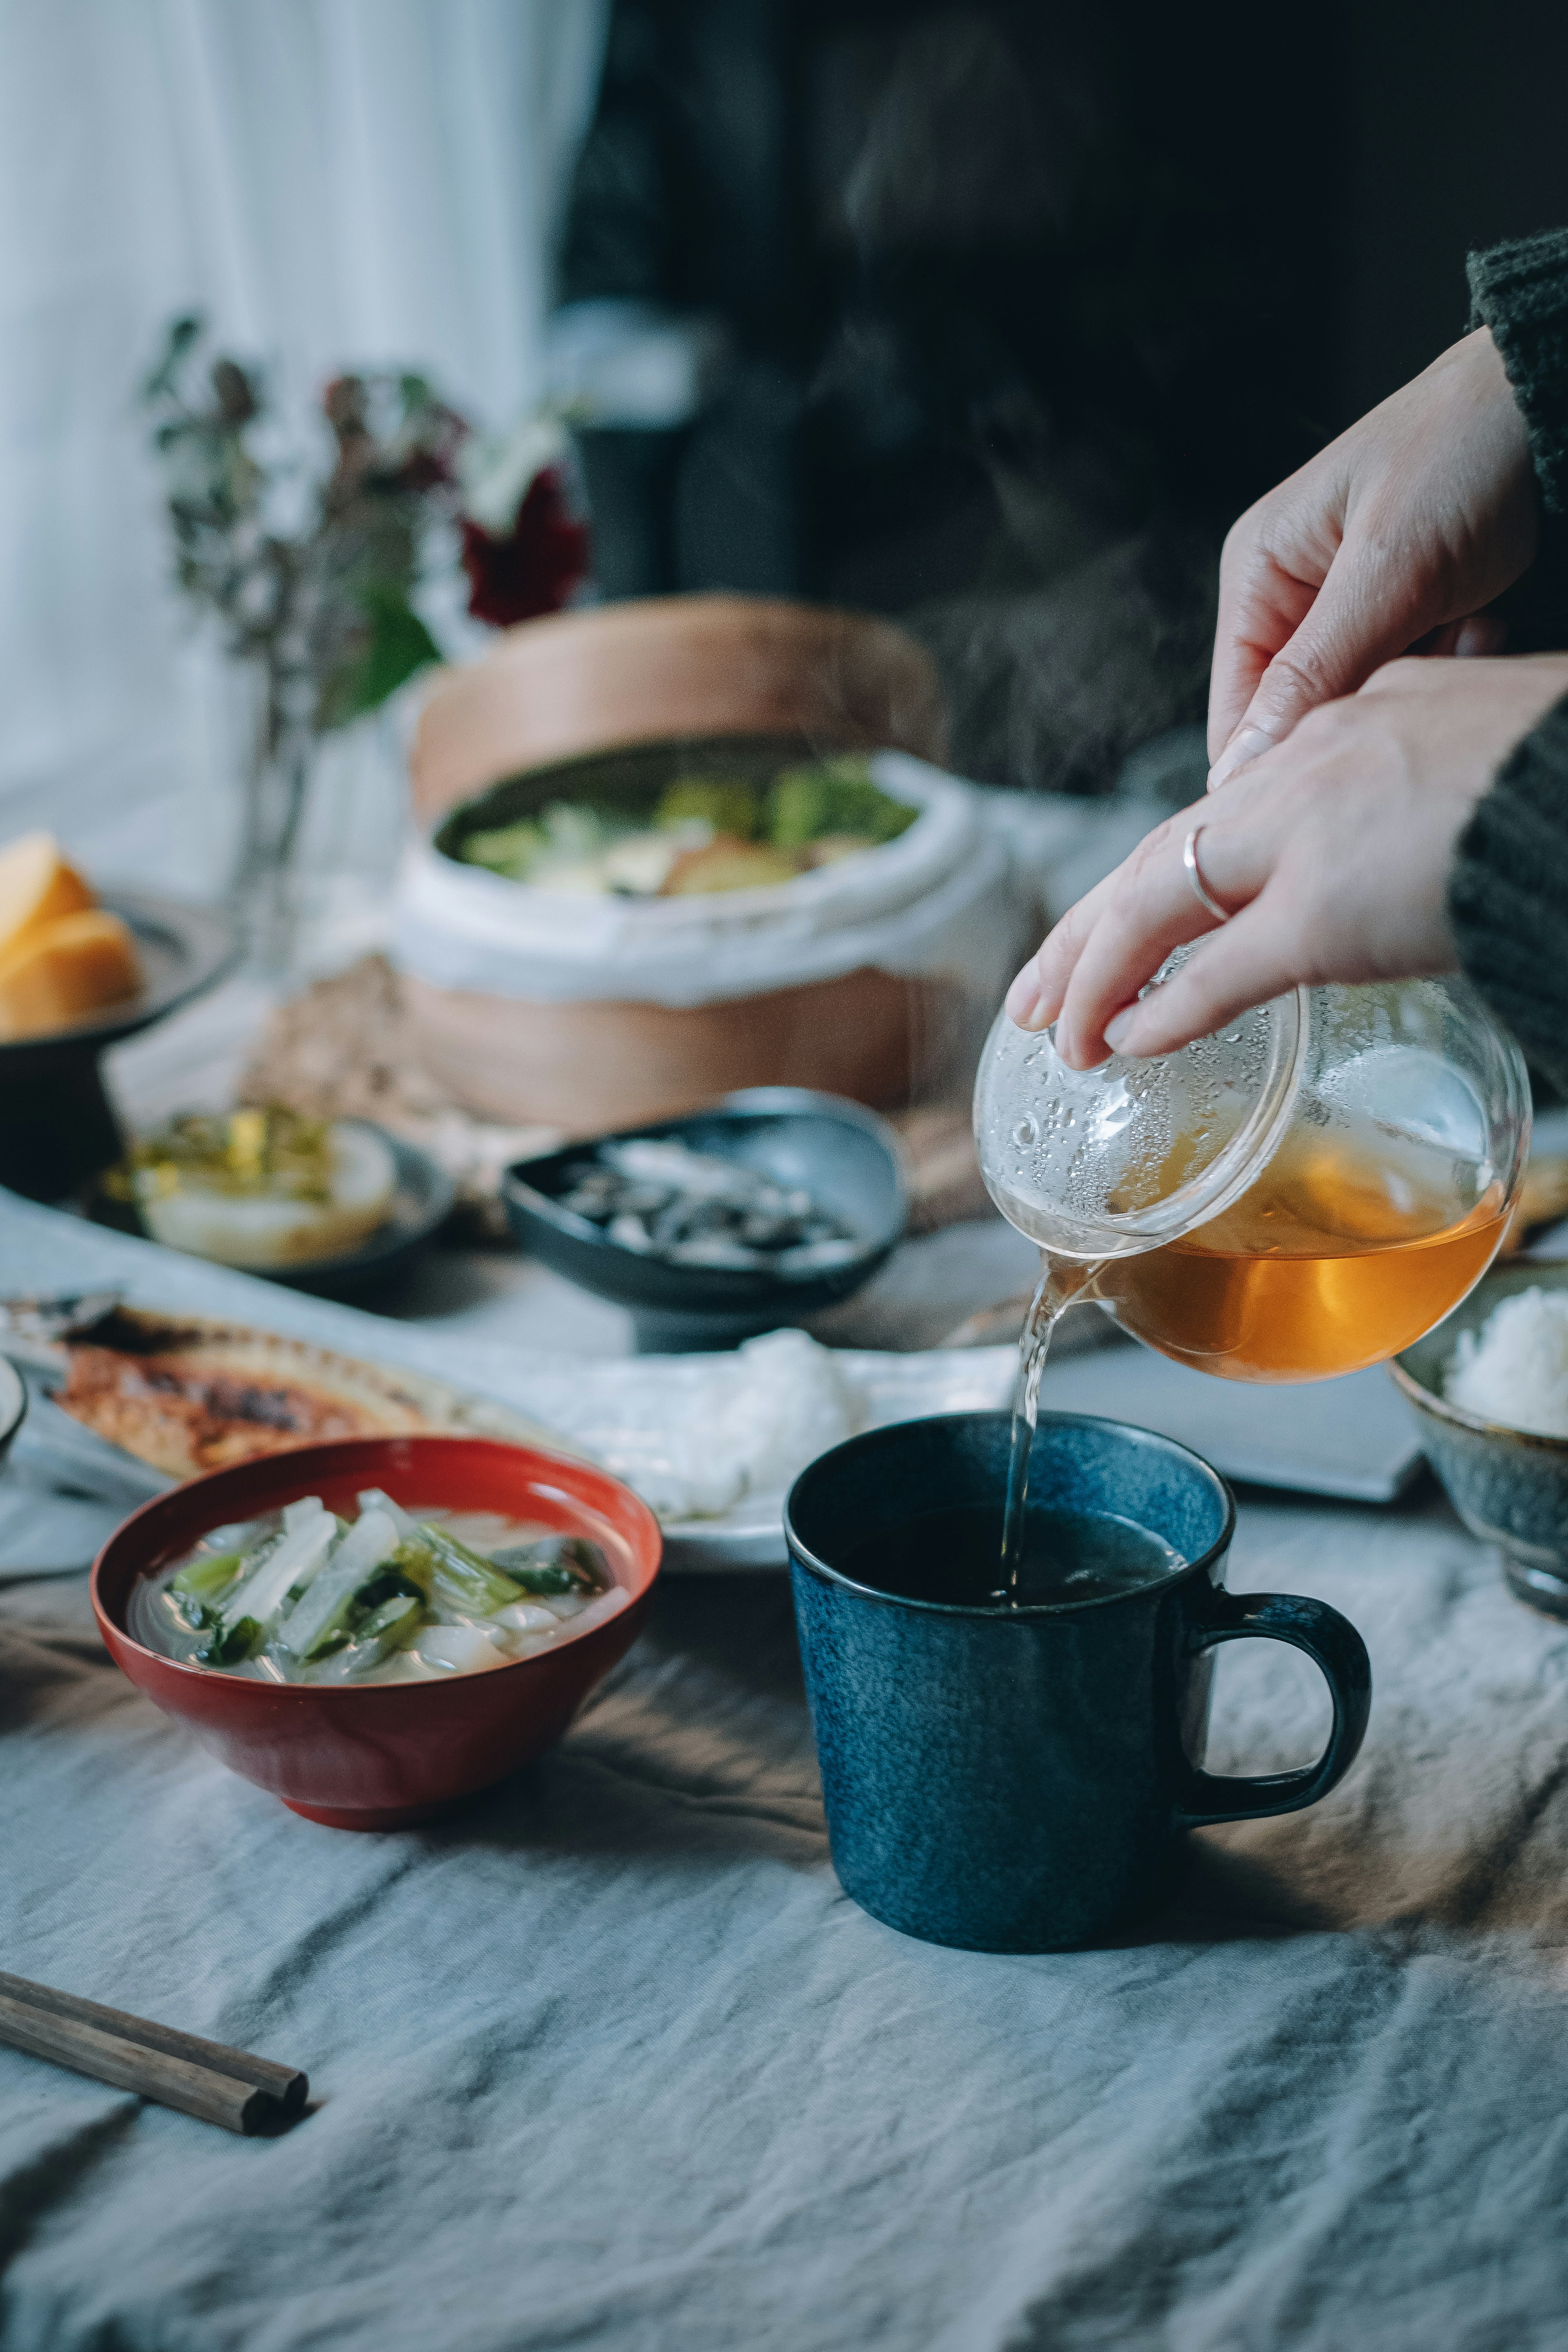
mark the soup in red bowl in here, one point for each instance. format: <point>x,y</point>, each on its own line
<point>380,1755</point>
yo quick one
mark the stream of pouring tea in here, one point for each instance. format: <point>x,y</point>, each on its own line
<point>1061,1281</point>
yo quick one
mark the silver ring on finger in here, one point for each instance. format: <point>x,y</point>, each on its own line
<point>1200,889</point>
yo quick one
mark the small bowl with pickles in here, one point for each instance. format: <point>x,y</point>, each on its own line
<point>336,1205</point>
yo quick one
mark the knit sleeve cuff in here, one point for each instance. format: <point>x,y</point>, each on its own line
<point>1521,292</point>
<point>1508,894</point>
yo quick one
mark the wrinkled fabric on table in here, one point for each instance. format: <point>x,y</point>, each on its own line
<point>607,2059</point>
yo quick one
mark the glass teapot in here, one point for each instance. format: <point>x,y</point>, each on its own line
<point>1308,1191</point>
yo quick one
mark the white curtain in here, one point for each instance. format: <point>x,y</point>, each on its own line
<point>333,182</point>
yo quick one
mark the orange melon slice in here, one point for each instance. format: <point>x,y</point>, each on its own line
<point>63,970</point>
<point>36,887</point>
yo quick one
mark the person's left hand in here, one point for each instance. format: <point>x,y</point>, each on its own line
<point>1332,853</point>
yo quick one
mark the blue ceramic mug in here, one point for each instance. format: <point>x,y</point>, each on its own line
<point>1022,1780</point>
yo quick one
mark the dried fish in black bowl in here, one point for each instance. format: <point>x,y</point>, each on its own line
<point>776,1202</point>
<point>699,1208</point>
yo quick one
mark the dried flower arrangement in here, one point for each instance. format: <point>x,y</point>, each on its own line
<point>315,587</point>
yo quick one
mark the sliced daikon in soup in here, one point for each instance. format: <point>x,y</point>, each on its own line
<point>396,1594</point>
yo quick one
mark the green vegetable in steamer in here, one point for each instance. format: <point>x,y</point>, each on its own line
<point>712,833</point>
<point>508,849</point>
<point>728,807</point>
<point>831,797</point>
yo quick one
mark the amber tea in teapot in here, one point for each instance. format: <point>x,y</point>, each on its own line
<point>1334,1259</point>
<point>1305,1193</point>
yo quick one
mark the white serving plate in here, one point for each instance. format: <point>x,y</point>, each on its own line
<point>1351,1438</point>
<point>597,1404</point>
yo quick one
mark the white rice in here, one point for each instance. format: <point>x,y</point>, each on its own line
<point>1514,1369</point>
<point>752,1420</point>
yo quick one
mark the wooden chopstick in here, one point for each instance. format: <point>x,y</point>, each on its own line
<point>201,2078</point>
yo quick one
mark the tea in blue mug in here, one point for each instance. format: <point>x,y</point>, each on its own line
<point>1018,1772</point>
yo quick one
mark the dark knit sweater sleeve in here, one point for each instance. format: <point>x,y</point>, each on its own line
<point>1508,891</point>
<point>1508,894</point>
<point>1521,292</point>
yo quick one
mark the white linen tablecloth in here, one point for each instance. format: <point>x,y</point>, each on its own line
<point>607,2059</point>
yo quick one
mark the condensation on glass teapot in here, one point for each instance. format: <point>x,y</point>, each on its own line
<point>1305,1192</point>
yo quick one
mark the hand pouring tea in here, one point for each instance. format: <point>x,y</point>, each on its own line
<point>1306,1193</point>
<point>1302,1194</point>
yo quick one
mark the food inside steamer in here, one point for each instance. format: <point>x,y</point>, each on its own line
<point>394,1595</point>
<point>707,835</point>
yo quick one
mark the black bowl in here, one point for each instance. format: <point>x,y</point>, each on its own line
<point>846,1158</point>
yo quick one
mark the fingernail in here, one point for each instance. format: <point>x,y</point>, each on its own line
<point>1246,743</point>
<point>1117,1031</point>
<point>1024,998</point>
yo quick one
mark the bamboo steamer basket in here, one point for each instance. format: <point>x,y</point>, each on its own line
<point>679,671</point>
<point>671,670</point>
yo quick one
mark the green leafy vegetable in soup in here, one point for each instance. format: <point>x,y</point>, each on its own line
<point>392,1595</point>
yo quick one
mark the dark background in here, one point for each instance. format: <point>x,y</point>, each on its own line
<point>1025,303</point>
<point>1456,135</point>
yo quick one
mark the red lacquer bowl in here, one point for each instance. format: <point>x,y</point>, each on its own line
<point>385,1755</point>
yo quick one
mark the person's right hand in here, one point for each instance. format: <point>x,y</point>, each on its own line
<point>1399,532</point>
<point>1332,856</point>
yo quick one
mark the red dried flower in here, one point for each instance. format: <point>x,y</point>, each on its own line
<point>536,567</point>
<point>421,470</point>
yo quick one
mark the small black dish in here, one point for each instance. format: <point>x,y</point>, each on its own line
<point>845,1157</point>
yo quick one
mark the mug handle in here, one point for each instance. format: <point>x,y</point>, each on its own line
<point>1335,1646</point>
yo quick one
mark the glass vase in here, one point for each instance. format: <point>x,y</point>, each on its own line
<point>321,834</point>
<point>265,883</point>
